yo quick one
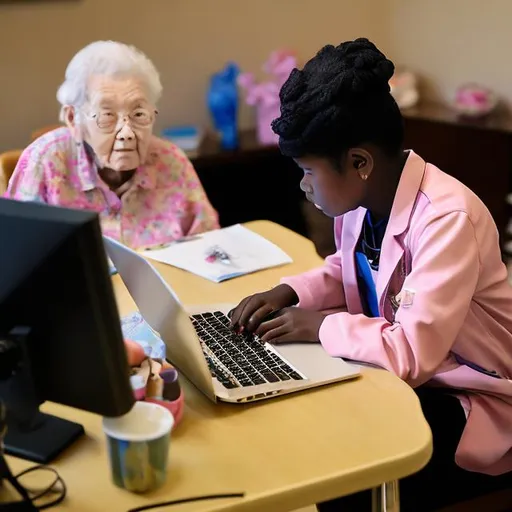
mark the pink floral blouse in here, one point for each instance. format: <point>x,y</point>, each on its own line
<point>165,201</point>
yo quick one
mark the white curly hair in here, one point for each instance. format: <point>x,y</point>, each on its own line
<point>106,58</point>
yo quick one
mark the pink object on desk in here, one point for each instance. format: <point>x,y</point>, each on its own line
<point>265,96</point>
<point>176,407</point>
<point>156,381</point>
<point>138,386</point>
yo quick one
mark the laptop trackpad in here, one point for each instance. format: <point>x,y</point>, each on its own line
<point>314,362</point>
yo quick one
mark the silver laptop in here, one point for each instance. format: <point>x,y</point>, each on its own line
<point>222,364</point>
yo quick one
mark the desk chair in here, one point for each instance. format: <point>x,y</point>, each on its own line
<point>8,161</point>
<point>41,131</point>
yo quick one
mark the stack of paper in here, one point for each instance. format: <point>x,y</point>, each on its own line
<point>246,252</point>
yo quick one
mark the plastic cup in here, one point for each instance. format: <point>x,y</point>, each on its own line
<point>138,445</point>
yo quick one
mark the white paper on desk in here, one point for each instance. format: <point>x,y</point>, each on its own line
<point>248,252</point>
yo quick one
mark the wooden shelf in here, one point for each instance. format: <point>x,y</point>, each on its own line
<point>478,152</point>
<point>210,150</point>
<point>499,121</point>
<point>256,182</point>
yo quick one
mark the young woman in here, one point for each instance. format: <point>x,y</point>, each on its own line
<point>417,279</point>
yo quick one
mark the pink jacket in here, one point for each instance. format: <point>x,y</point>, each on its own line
<point>443,291</point>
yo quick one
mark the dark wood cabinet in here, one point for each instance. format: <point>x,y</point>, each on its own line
<point>254,182</point>
<point>478,153</point>
<point>257,182</point>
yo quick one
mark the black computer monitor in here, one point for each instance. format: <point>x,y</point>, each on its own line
<point>60,334</point>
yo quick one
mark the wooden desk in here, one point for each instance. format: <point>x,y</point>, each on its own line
<point>283,453</point>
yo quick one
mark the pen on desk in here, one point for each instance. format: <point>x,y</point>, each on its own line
<point>171,389</point>
<point>169,375</point>
<point>217,254</point>
<point>155,387</point>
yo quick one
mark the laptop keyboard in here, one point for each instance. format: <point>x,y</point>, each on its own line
<point>238,360</point>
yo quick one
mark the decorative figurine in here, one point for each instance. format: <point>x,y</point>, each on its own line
<point>404,89</point>
<point>222,101</point>
<point>265,96</point>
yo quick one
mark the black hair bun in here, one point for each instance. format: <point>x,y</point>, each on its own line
<point>338,96</point>
<point>366,68</point>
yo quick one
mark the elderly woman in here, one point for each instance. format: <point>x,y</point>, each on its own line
<point>106,159</point>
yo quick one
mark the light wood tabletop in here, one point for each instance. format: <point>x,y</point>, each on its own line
<point>283,453</point>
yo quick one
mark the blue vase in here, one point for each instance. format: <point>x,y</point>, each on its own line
<point>222,99</point>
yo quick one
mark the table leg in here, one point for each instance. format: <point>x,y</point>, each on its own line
<point>386,498</point>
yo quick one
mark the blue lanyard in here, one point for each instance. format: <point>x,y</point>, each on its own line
<point>369,290</point>
<point>475,367</point>
<point>371,239</point>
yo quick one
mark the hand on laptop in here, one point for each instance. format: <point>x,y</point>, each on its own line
<point>291,325</point>
<point>255,309</point>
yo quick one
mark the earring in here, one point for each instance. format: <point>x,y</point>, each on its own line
<point>363,176</point>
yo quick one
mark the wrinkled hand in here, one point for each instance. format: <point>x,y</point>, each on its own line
<point>253,310</point>
<point>292,325</point>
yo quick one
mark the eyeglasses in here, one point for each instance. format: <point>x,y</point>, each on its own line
<point>108,120</point>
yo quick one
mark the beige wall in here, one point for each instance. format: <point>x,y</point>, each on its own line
<point>447,41</point>
<point>187,39</point>
<point>450,42</point>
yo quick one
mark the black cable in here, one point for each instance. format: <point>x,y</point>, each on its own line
<point>188,500</point>
<point>33,494</point>
<point>39,493</point>
<point>5,472</point>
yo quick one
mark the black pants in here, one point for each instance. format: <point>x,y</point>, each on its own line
<point>441,482</point>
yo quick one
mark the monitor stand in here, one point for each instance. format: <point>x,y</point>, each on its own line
<point>31,435</point>
<point>43,440</point>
